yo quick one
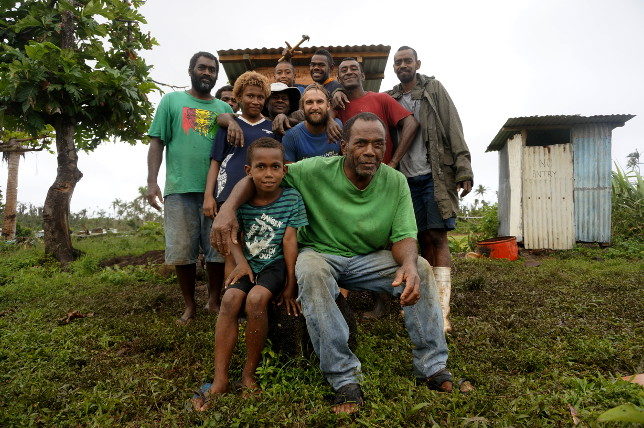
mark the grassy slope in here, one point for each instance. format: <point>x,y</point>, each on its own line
<point>531,339</point>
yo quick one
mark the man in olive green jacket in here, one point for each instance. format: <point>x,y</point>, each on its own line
<point>437,164</point>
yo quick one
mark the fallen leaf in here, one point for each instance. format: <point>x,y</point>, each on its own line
<point>574,414</point>
<point>473,255</point>
<point>74,315</point>
<point>465,386</point>
<point>624,413</point>
<point>636,378</point>
<point>532,263</point>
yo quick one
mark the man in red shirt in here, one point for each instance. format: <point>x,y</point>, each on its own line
<point>351,76</point>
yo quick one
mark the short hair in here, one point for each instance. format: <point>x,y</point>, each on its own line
<point>263,143</point>
<point>286,62</point>
<point>366,116</point>
<point>251,78</point>
<point>223,89</point>
<point>195,57</point>
<point>404,48</point>
<point>315,87</point>
<point>327,54</point>
<point>350,58</point>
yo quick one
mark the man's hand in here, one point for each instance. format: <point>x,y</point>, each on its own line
<point>287,298</point>
<point>333,131</point>
<point>393,164</point>
<point>209,207</point>
<point>408,274</point>
<point>466,186</point>
<point>339,100</point>
<point>281,123</point>
<point>235,135</point>
<point>240,271</point>
<point>154,196</point>
<point>224,230</point>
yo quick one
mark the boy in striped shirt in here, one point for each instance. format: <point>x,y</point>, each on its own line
<point>263,269</point>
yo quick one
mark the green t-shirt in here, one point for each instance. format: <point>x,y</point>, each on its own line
<point>187,127</point>
<point>344,220</point>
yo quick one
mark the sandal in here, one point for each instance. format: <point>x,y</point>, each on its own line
<point>437,380</point>
<point>202,394</point>
<point>349,394</point>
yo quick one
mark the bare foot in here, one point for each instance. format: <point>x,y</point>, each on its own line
<point>212,307</point>
<point>187,317</point>
<point>204,401</point>
<point>347,408</point>
<point>250,388</point>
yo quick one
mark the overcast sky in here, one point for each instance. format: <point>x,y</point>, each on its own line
<point>497,59</point>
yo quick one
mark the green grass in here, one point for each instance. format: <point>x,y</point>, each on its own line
<point>532,340</point>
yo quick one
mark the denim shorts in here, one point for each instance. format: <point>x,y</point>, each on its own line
<point>428,215</point>
<point>187,230</point>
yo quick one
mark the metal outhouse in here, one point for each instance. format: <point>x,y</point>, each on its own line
<point>555,179</point>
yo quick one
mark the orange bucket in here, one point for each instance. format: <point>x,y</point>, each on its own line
<point>503,247</point>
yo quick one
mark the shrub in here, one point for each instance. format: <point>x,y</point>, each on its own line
<point>627,205</point>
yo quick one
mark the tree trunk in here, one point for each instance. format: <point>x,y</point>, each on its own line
<point>9,224</point>
<point>58,242</point>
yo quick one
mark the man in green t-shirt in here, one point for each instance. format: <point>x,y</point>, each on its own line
<point>185,124</point>
<point>355,208</point>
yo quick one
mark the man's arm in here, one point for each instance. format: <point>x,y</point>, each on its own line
<point>241,269</point>
<point>155,156</point>
<point>406,136</point>
<point>209,203</point>
<point>333,130</point>
<point>405,253</point>
<point>225,227</point>
<point>290,256</point>
<point>235,135</point>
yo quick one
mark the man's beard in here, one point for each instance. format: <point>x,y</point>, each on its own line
<point>313,121</point>
<point>201,85</point>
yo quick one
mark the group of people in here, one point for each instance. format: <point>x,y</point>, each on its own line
<point>307,194</point>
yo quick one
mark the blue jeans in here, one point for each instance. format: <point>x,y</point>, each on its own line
<point>319,276</point>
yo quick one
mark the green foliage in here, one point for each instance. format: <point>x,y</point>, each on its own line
<point>532,340</point>
<point>100,84</point>
<point>624,413</point>
<point>150,229</point>
<point>481,223</point>
<point>23,232</point>
<point>628,205</point>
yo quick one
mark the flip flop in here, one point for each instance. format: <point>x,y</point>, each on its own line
<point>202,394</point>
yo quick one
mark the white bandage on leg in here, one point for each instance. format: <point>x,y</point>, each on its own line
<point>444,284</point>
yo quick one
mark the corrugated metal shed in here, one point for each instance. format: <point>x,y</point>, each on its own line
<point>548,197</point>
<point>516,124</point>
<point>373,59</point>
<point>564,191</point>
<point>592,167</point>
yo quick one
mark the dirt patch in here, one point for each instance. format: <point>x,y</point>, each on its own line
<point>154,257</point>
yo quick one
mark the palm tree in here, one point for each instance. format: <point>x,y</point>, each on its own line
<point>481,190</point>
<point>12,150</point>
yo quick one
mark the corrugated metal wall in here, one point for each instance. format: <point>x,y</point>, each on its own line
<point>548,220</point>
<point>592,166</point>
<point>515,160</point>
<point>510,219</point>
<point>504,193</point>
